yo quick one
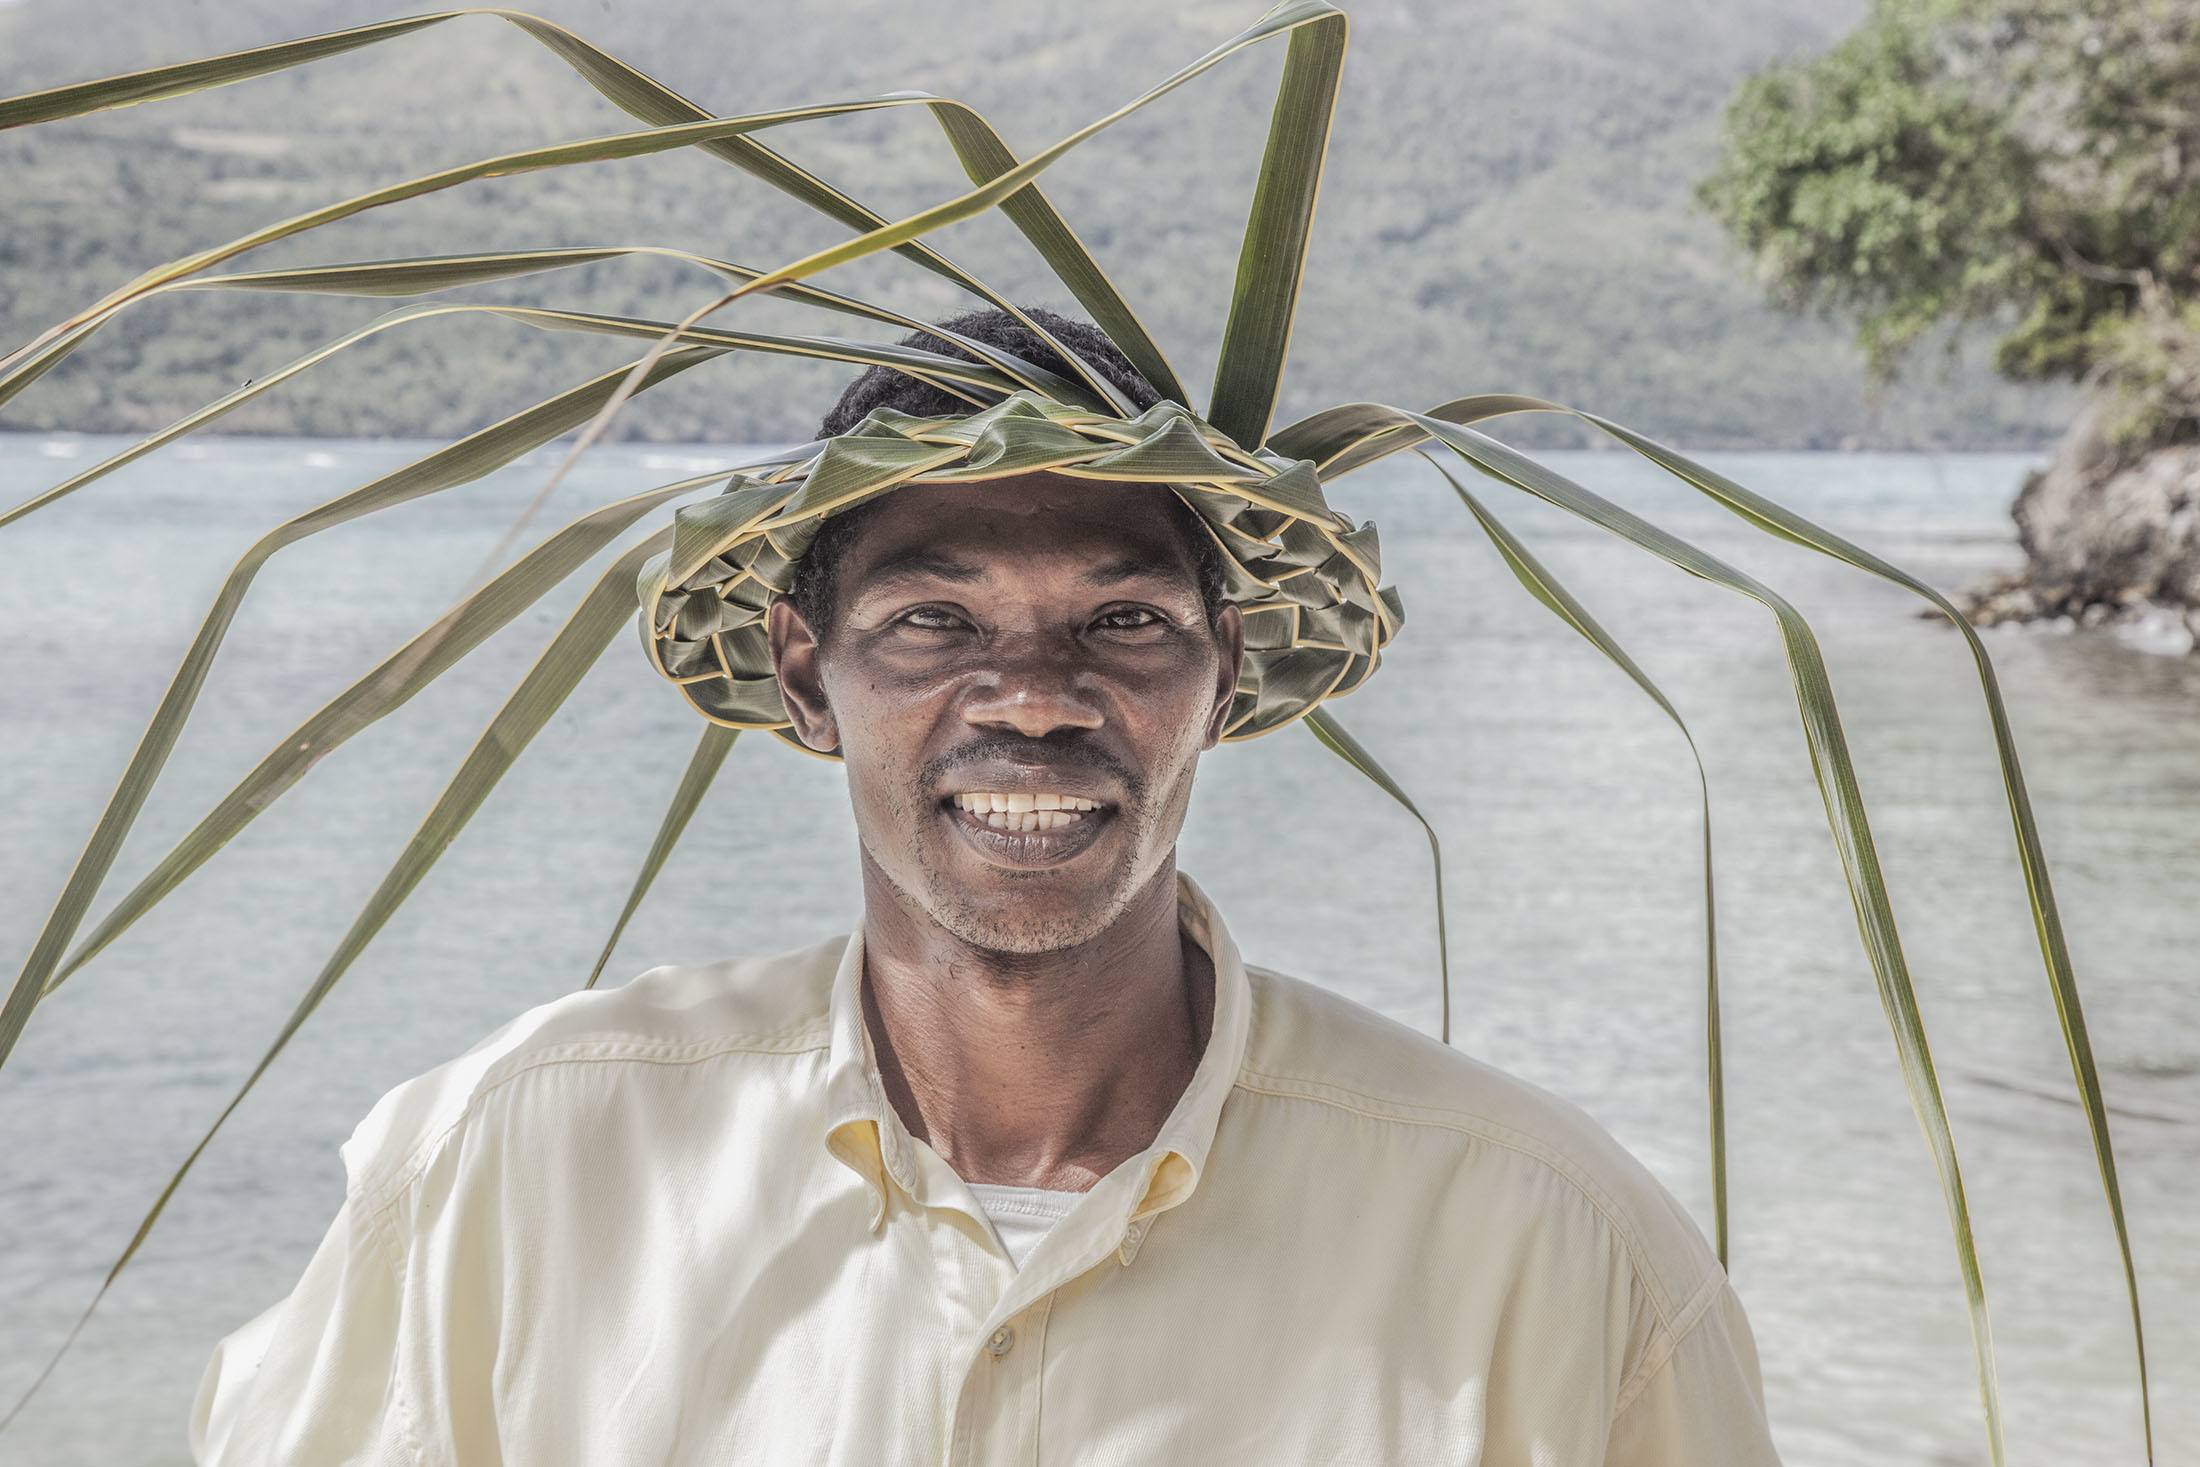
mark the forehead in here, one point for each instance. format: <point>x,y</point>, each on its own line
<point>1037,519</point>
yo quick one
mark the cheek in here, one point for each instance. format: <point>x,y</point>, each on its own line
<point>869,704</point>
<point>1170,716</point>
<point>883,722</point>
<point>1185,688</point>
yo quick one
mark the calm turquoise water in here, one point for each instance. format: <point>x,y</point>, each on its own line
<point>1568,804</point>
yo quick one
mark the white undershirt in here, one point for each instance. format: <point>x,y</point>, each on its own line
<point>1021,1216</point>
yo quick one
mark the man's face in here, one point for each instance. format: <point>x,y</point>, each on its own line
<point>1034,638</point>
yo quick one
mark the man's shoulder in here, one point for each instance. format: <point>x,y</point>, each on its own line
<point>763,1003</point>
<point>1312,1044</point>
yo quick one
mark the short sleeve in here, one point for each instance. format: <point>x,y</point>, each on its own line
<point>1703,1403</point>
<point>313,1377</point>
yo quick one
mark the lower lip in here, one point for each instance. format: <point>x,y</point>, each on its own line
<point>1028,847</point>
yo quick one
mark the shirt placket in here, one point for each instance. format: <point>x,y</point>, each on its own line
<point>967,1280</point>
<point>996,1414</point>
<point>996,1420</point>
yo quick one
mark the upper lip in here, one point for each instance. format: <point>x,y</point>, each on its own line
<point>1009,779</point>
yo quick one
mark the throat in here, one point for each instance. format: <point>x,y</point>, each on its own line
<point>1047,1078</point>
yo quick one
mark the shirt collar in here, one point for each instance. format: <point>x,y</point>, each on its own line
<point>864,1132</point>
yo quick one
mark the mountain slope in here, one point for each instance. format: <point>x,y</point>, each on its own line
<point>1507,206</point>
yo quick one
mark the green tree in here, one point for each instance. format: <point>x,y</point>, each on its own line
<point>2033,164</point>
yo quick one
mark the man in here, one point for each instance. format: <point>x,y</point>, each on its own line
<point>1030,1167</point>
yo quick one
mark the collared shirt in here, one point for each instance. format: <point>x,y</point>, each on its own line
<point>679,1222</point>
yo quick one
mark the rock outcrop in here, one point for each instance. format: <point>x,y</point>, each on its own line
<point>2109,536</point>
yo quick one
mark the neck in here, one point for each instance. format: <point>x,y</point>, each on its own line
<point>1035,1069</point>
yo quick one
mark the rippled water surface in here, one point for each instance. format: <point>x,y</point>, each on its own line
<point>1568,804</point>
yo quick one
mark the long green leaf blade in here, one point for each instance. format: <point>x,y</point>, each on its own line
<point>458,463</point>
<point>976,144</point>
<point>710,752</point>
<point>1335,738</point>
<point>575,649</point>
<point>1547,589</point>
<point>949,374</point>
<point>1845,817</point>
<point>1354,434</point>
<point>1272,257</point>
<point>186,77</point>
<point>381,692</point>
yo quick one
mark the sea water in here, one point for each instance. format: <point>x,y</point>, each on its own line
<point>1568,805</point>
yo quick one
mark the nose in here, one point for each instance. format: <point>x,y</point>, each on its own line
<point>1033,684</point>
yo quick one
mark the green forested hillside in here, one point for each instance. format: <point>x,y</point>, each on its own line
<point>1509,205</point>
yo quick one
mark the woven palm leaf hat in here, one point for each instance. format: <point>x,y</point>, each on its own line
<point>1305,578</point>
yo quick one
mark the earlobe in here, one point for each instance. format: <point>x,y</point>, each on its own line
<point>795,664</point>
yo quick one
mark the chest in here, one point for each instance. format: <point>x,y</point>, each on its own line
<point>700,1315</point>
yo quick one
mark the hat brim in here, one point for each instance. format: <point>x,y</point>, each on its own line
<point>1304,578</point>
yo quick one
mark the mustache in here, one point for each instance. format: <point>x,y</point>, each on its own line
<point>1068,749</point>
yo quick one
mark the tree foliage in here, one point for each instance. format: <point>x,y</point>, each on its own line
<point>2032,163</point>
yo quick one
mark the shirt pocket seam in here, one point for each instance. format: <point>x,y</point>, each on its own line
<point>1672,1337</point>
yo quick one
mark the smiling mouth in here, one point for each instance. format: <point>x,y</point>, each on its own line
<point>1026,828</point>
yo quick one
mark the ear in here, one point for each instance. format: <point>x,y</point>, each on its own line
<point>1230,639</point>
<point>801,688</point>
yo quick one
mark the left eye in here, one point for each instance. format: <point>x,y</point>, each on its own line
<point>1112,622</point>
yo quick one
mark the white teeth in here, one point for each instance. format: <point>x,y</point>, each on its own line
<point>1032,819</point>
<point>1018,811</point>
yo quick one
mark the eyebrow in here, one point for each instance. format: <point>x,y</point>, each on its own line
<point>917,562</point>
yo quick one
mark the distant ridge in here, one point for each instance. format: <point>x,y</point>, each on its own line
<point>1508,206</point>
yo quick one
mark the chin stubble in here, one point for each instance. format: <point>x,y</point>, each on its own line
<point>993,930</point>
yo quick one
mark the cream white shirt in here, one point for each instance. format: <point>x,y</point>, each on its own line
<point>679,1222</point>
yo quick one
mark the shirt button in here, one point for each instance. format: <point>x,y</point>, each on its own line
<point>1004,1340</point>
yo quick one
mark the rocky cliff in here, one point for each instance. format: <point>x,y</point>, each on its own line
<point>2110,535</point>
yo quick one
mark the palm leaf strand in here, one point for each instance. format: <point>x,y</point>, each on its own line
<point>1354,434</point>
<point>462,462</point>
<point>710,752</point>
<point>976,144</point>
<point>575,649</point>
<point>1335,738</point>
<point>382,691</point>
<point>1845,814</point>
<point>1547,589</point>
<point>952,375</point>
<point>1272,257</point>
